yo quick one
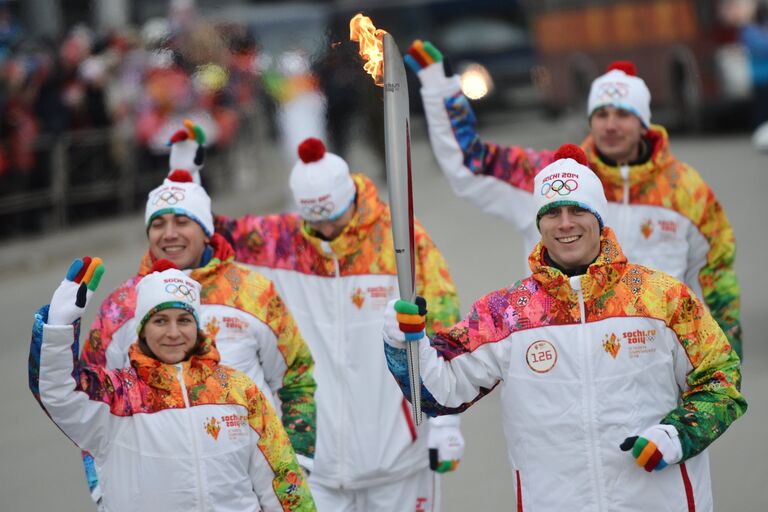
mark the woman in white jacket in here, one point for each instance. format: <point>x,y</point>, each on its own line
<point>176,430</point>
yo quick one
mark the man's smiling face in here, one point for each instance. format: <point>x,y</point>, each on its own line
<point>177,238</point>
<point>571,235</point>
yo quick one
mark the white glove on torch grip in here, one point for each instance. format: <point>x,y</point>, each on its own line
<point>391,329</point>
<point>63,310</point>
<point>667,440</point>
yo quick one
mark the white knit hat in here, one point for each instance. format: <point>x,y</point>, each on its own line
<point>179,195</point>
<point>166,287</point>
<point>188,150</point>
<point>321,184</point>
<point>621,88</point>
<point>569,182</point>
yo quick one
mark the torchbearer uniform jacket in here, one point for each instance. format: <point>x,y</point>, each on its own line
<point>583,363</point>
<point>194,436</point>
<point>254,332</point>
<point>338,292</point>
<point>665,215</point>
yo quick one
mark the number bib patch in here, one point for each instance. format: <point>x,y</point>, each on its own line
<point>541,356</point>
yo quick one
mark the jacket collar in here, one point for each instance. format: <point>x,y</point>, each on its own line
<point>223,254</point>
<point>163,376</point>
<point>369,208</point>
<point>601,275</point>
<point>639,173</point>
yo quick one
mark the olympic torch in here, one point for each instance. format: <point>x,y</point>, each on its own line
<point>397,143</point>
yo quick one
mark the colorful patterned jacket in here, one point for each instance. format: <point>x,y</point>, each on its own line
<point>583,363</point>
<point>338,291</point>
<point>253,331</point>
<point>664,213</point>
<point>191,436</point>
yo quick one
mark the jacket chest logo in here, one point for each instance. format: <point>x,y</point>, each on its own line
<point>212,427</point>
<point>541,356</point>
<point>668,228</point>
<point>234,425</point>
<point>611,344</point>
<point>638,342</point>
<point>375,296</point>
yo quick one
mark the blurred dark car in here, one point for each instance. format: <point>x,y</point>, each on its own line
<point>486,42</point>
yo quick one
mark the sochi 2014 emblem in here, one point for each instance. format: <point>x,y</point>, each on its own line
<point>212,428</point>
<point>611,344</point>
<point>541,356</point>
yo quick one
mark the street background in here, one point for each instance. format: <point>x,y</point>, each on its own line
<point>90,91</point>
<point>40,469</point>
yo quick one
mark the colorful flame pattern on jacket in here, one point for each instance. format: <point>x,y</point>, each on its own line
<point>226,283</point>
<point>662,181</point>
<point>149,386</point>
<point>611,288</point>
<point>365,246</point>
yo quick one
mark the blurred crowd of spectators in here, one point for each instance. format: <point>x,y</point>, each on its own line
<point>138,82</point>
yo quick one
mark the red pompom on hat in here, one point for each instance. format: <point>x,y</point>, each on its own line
<point>311,150</point>
<point>161,265</point>
<point>572,151</point>
<point>181,176</point>
<point>627,66</point>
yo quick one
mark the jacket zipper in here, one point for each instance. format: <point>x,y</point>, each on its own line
<point>195,448</point>
<point>589,390</point>
<point>340,358</point>
<point>624,216</point>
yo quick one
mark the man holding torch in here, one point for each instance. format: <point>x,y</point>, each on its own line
<point>333,262</point>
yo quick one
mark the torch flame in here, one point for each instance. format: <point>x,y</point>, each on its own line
<point>371,41</point>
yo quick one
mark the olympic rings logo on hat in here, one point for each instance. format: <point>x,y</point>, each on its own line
<point>181,291</point>
<point>318,211</point>
<point>169,197</point>
<point>612,91</point>
<point>559,187</point>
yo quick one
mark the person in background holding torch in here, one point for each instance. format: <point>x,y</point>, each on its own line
<point>333,263</point>
<point>595,357</point>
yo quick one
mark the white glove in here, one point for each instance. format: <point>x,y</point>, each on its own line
<point>404,321</point>
<point>188,150</point>
<point>71,297</point>
<point>446,444</point>
<point>391,330</point>
<point>655,448</point>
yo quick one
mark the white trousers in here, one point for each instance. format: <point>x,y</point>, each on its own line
<point>419,492</point>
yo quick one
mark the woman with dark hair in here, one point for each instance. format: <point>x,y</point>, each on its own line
<point>176,430</point>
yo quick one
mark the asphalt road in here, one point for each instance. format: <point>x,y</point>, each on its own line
<point>40,469</point>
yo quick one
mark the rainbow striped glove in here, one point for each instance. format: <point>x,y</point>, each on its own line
<point>71,297</point>
<point>656,448</point>
<point>188,150</point>
<point>405,321</point>
<point>428,63</point>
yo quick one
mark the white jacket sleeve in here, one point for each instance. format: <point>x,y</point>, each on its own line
<point>448,386</point>
<point>86,422</point>
<point>461,156</point>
